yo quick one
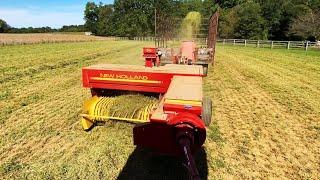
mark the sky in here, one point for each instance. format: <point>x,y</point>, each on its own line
<point>39,13</point>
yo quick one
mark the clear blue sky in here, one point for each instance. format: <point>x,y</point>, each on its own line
<point>38,13</point>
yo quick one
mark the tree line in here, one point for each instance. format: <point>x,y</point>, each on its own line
<point>270,19</point>
<point>6,28</point>
<point>245,19</point>
<point>242,19</point>
<point>136,17</point>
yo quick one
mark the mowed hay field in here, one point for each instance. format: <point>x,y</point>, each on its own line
<point>11,39</point>
<point>266,116</point>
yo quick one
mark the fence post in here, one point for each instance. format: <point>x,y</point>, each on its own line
<point>245,43</point>
<point>271,44</point>
<point>224,41</point>
<point>258,43</point>
<point>288,45</point>
<point>234,42</point>
<point>307,44</point>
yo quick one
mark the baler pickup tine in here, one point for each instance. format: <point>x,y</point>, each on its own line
<point>108,108</point>
<point>107,118</point>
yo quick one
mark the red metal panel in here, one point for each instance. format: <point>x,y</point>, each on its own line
<point>128,80</point>
<point>162,137</point>
<point>149,51</point>
<point>149,62</point>
<point>213,32</point>
<point>181,108</point>
<point>150,55</point>
<point>188,49</point>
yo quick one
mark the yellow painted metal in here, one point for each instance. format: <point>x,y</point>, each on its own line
<point>98,109</point>
<point>183,102</point>
<point>126,80</point>
<point>107,118</point>
<point>88,108</point>
<point>86,123</point>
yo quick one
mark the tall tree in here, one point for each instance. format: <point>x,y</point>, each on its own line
<point>308,25</point>
<point>228,22</point>
<point>133,17</point>
<point>208,8</point>
<point>91,15</point>
<point>251,24</point>
<point>105,19</point>
<point>272,11</point>
<point>230,3</point>
<point>4,27</point>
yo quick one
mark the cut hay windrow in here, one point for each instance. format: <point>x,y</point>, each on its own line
<point>127,107</point>
<point>132,105</point>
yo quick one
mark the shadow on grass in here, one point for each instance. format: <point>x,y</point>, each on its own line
<point>143,164</point>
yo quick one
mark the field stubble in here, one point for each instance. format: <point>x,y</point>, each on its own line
<point>268,110</point>
<point>266,115</point>
<point>11,39</point>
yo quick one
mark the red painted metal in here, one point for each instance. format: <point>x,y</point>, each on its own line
<point>156,131</point>
<point>161,86</point>
<point>150,55</point>
<point>163,137</point>
<point>187,50</point>
<point>213,32</point>
<point>182,108</point>
<point>149,62</point>
<point>149,51</point>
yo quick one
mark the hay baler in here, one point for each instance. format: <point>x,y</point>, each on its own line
<point>175,125</point>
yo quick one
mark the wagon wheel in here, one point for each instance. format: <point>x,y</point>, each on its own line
<point>206,114</point>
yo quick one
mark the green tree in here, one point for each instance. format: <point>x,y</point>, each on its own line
<point>308,25</point>
<point>272,11</point>
<point>105,19</point>
<point>251,25</point>
<point>91,17</point>
<point>208,8</point>
<point>4,27</point>
<point>133,17</point>
<point>230,3</point>
<point>228,22</point>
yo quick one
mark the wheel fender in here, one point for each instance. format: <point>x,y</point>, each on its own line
<point>194,121</point>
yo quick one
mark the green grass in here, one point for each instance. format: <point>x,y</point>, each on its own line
<point>266,116</point>
<point>266,107</point>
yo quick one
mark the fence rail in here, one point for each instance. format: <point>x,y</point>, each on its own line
<point>305,45</point>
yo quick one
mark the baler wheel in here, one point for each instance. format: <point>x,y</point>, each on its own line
<point>205,71</point>
<point>206,114</point>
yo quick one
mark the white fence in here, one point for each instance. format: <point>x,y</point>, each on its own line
<point>305,45</point>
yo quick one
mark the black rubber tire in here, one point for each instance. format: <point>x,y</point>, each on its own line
<point>205,71</point>
<point>206,114</point>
